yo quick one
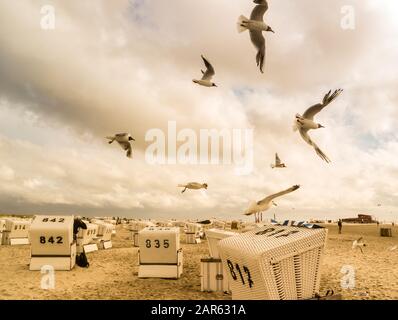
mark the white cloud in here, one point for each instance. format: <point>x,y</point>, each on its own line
<point>111,67</point>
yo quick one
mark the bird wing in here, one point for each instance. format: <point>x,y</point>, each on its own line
<point>126,146</point>
<point>253,208</point>
<point>319,152</point>
<point>120,135</point>
<point>129,152</point>
<point>258,41</point>
<point>276,195</point>
<point>209,71</point>
<point>258,12</point>
<point>277,160</point>
<point>315,109</point>
<point>194,185</point>
<point>263,2</point>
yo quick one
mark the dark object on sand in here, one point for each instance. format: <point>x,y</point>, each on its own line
<point>328,296</point>
<point>386,232</point>
<point>81,260</point>
<point>205,222</point>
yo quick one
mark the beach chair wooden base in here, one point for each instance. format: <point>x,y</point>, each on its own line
<point>19,241</point>
<point>213,278</point>
<point>90,248</point>
<point>163,271</point>
<point>106,245</point>
<point>59,263</point>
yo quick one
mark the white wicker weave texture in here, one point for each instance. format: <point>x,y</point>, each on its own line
<point>274,262</point>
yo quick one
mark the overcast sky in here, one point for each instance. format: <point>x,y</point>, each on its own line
<point>127,66</point>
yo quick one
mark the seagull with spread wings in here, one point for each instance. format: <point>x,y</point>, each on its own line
<point>124,141</point>
<point>306,122</point>
<point>257,208</point>
<point>256,26</point>
<point>207,75</point>
<point>193,186</point>
<point>358,244</point>
<point>278,163</point>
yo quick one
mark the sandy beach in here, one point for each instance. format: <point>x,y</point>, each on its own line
<point>113,273</point>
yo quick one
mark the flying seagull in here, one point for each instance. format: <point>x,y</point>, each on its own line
<point>193,186</point>
<point>256,26</point>
<point>207,75</point>
<point>278,163</point>
<point>358,244</point>
<point>257,208</point>
<point>124,141</point>
<point>306,122</point>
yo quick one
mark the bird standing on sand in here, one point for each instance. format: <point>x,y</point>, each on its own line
<point>278,163</point>
<point>124,141</point>
<point>257,208</point>
<point>193,186</point>
<point>207,75</point>
<point>306,122</point>
<point>256,26</point>
<point>358,244</point>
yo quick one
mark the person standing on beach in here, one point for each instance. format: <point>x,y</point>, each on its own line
<point>340,224</point>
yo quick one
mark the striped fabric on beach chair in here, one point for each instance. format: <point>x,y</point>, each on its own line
<point>292,223</point>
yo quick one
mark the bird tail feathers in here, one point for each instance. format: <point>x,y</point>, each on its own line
<point>181,186</point>
<point>241,24</point>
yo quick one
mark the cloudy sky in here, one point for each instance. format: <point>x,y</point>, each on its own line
<point>127,66</point>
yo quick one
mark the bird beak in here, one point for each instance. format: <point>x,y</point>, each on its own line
<point>321,126</point>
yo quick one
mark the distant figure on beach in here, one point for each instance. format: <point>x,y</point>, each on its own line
<point>340,224</point>
<point>377,222</point>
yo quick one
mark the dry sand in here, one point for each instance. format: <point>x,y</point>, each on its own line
<point>113,273</point>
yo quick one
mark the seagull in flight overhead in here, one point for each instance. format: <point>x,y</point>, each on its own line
<point>306,122</point>
<point>256,26</point>
<point>193,186</point>
<point>257,208</point>
<point>207,75</point>
<point>124,141</point>
<point>278,163</point>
